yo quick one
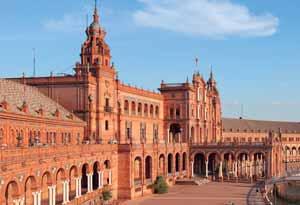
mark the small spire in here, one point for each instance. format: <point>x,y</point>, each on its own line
<point>96,16</point>
<point>197,61</point>
<point>211,72</point>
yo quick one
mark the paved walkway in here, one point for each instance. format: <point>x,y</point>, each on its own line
<point>208,194</point>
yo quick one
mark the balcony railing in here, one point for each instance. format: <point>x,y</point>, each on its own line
<point>108,109</point>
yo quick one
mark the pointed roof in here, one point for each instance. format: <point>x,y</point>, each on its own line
<point>96,18</point>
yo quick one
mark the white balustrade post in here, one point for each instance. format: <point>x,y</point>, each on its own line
<point>235,169</point>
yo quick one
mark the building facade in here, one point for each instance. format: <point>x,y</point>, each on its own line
<point>88,130</point>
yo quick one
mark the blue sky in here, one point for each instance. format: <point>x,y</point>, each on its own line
<point>253,45</point>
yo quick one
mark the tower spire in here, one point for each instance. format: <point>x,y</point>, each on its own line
<point>96,15</point>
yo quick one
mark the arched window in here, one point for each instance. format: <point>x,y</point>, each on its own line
<point>133,108</point>
<point>146,110</point>
<point>157,111</point>
<point>126,107</point>
<point>151,110</point>
<point>140,108</point>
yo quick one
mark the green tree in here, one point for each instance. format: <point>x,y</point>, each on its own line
<point>160,185</point>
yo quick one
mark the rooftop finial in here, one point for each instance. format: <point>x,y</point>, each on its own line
<point>197,61</point>
<point>96,16</point>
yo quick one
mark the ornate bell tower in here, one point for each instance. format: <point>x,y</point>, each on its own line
<point>99,79</point>
<point>95,53</point>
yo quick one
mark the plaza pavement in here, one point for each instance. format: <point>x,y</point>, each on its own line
<point>208,194</point>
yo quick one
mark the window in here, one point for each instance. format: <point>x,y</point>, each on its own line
<point>177,112</point>
<point>106,102</point>
<point>128,126</point>
<point>106,125</point>
<point>126,106</point>
<point>171,112</point>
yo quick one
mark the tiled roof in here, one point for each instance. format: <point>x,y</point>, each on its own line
<point>16,95</point>
<point>242,125</point>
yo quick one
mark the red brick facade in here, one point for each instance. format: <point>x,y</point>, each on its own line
<point>126,136</point>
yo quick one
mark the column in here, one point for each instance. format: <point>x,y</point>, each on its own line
<point>90,182</point>
<point>65,191</point>
<point>221,170</point>
<point>50,195</point>
<point>18,201</point>
<point>110,177</point>
<point>100,180</point>
<point>53,194</point>
<point>37,198</point>
<point>206,168</point>
<point>250,169</point>
<point>78,187</point>
<point>192,169</point>
<point>235,169</point>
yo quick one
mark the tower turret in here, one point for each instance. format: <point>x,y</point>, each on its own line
<point>95,52</point>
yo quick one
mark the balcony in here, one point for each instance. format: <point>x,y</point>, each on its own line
<point>108,109</point>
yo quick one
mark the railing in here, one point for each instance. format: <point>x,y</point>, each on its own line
<point>19,154</point>
<point>108,109</point>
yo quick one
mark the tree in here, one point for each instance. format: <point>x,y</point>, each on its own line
<point>160,185</point>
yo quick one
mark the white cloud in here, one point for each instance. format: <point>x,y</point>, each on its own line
<point>68,23</point>
<point>209,18</point>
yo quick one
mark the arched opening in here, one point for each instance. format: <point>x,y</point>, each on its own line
<point>212,165</point>
<point>137,171</point>
<point>184,156</point>
<point>60,178</point>
<point>11,192</point>
<point>84,179</point>
<point>170,164</point>
<point>126,106</point>
<point>258,165</point>
<point>30,187</point>
<point>175,132</point>
<point>243,165</point>
<point>145,110</point>
<point>140,108</point>
<point>133,108</point>
<point>157,111</point>
<point>177,162</point>
<point>161,165</point>
<point>151,110</point>
<point>72,177</point>
<point>228,165</point>
<point>96,169</point>
<point>148,169</point>
<point>294,151</point>
<point>46,182</point>
<point>199,165</point>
